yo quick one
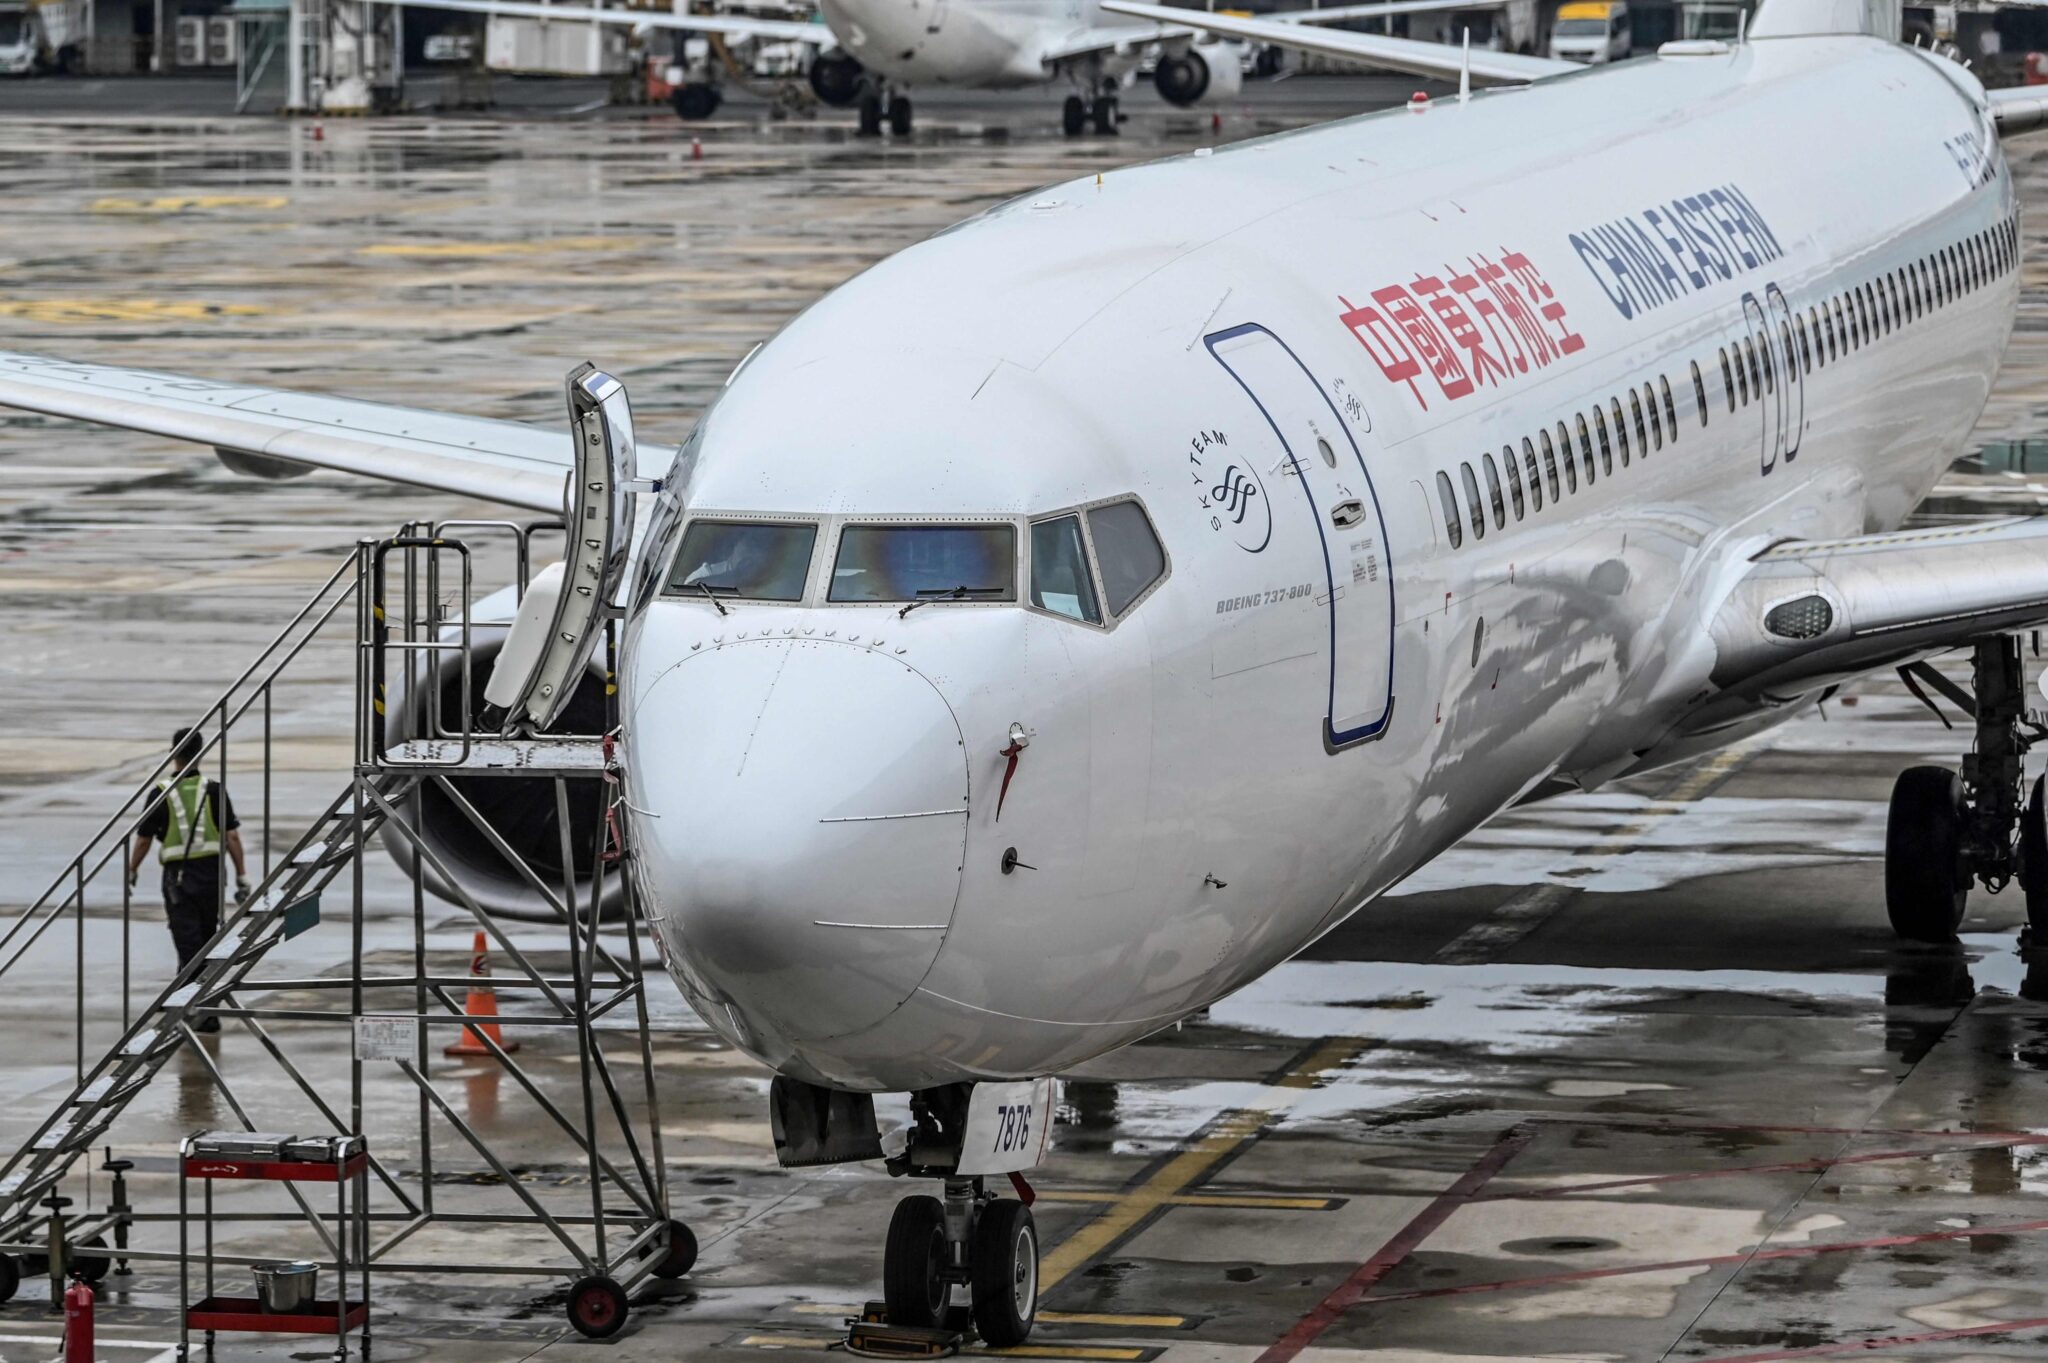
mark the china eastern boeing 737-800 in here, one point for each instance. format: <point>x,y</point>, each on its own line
<point>1077,614</point>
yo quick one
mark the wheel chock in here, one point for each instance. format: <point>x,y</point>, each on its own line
<point>872,1336</point>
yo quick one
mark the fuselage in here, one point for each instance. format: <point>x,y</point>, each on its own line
<point>1305,358</point>
<point>978,44</point>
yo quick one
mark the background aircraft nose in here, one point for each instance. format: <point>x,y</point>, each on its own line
<point>811,800</point>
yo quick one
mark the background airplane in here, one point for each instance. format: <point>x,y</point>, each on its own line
<point>1210,545</point>
<point>871,53</point>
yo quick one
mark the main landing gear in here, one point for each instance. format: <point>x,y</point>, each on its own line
<point>1947,829</point>
<point>1103,112</point>
<point>879,104</point>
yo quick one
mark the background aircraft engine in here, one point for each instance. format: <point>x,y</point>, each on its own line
<point>1200,75</point>
<point>836,78</point>
<point>522,812</point>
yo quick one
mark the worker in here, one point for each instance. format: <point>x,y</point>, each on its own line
<point>191,820</point>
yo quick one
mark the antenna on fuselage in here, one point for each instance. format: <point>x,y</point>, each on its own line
<point>1741,27</point>
<point>1465,67</point>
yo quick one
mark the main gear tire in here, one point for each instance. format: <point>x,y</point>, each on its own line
<point>914,1287</point>
<point>1003,1272</point>
<point>1925,882</point>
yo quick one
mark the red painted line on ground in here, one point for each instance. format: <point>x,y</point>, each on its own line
<point>1790,1167</point>
<point>1642,1123</point>
<point>1863,1346</point>
<point>1710,1261</point>
<point>1403,1243</point>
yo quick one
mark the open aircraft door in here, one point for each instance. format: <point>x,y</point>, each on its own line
<point>1334,492</point>
<point>564,612</point>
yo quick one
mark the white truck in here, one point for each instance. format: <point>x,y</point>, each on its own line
<point>41,35</point>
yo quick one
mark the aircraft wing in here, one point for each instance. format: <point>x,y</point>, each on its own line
<point>1395,54</point>
<point>1337,14</point>
<point>2020,109</point>
<point>1810,613</point>
<point>735,25</point>
<point>500,461</point>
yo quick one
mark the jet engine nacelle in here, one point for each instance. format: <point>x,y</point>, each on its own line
<point>521,811</point>
<point>1208,74</point>
<point>837,78</point>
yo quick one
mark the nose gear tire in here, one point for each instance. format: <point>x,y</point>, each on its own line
<point>1925,884</point>
<point>1074,116</point>
<point>914,1263</point>
<point>1003,1259</point>
<point>2034,862</point>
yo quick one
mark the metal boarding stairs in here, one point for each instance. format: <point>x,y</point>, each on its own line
<point>406,642</point>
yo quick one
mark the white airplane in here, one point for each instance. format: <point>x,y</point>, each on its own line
<point>872,52</point>
<point>1077,614</point>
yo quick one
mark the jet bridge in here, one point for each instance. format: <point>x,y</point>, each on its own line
<point>333,954</point>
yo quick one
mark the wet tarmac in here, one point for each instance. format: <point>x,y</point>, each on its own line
<point>1636,1075</point>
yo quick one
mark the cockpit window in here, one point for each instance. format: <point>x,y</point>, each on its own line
<point>926,563</point>
<point>748,560</point>
<point>1127,551</point>
<point>1060,581</point>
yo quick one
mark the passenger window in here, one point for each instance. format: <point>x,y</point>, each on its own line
<point>1447,498</point>
<point>1620,435</point>
<point>1606,450</point>
<point>1536,477</point>
<point>1699,393</point>
<point>1571,477</point>
<point>1727,378</point>
<point>1756,373</point>
<point>1060,581</point>
<point>1127,551</point>
<point>1585,438</point>
<point>744,560</point>
<point>1571,483</point>
<point>1500,506</point>
<point>1514,472</point>
<point>1478,510</point>
<point>1805,352</point>
<point>1656,441</point>
<point>925,563</point>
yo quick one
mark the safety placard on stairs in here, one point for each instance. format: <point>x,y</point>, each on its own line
<point>387,1038</point>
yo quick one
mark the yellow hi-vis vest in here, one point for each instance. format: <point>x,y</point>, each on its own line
<point>189,829</point>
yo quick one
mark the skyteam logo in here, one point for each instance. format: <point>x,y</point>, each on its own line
<point>1230,491</point>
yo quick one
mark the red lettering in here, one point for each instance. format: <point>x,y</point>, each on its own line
<point>1552,310</point>
<point>1384,343</point>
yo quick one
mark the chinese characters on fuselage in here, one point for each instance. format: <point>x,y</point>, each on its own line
<point>1467,329</point>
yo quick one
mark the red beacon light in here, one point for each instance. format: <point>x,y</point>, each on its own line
<point>1418,102</point>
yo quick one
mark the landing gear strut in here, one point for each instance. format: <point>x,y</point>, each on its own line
<point>877,103</point>
<point>968,1238</point>
<point>988,1245</point>
<point>1945,830</point>
<point>1101,110</point>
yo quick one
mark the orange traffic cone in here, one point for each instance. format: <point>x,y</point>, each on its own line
<point>482,1003</point>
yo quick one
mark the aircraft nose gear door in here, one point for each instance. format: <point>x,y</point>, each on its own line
<point>1311,447</point>
<point>599,516</point>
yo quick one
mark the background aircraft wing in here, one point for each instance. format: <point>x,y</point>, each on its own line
<point>1087,42</point>
<point>737,25</point>
<point>500,461</point>
<point>1814,612</point>
<point>1394,54</point>
<point>2019,109</point>
<point>1337,14</point>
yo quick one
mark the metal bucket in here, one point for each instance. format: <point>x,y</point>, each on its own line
<point>286,1287</point>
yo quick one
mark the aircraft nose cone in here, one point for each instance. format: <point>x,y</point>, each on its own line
<point>810,801</point>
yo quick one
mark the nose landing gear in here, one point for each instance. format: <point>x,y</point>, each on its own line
<point>877,103</point>
<point>1944,830</point>
<point>972,1239</point>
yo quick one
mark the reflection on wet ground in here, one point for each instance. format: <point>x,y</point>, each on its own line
<point>1628,1076</point>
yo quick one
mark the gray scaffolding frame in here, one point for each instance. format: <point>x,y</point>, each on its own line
<point>406,642</point>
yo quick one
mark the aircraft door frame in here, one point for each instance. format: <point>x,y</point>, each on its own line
<point>1771,399</point>
<point>1358,705</point>
<point>1791,416</point>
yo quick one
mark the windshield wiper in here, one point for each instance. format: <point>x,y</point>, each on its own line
<point>711,594</point>
<point>930,594</point>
